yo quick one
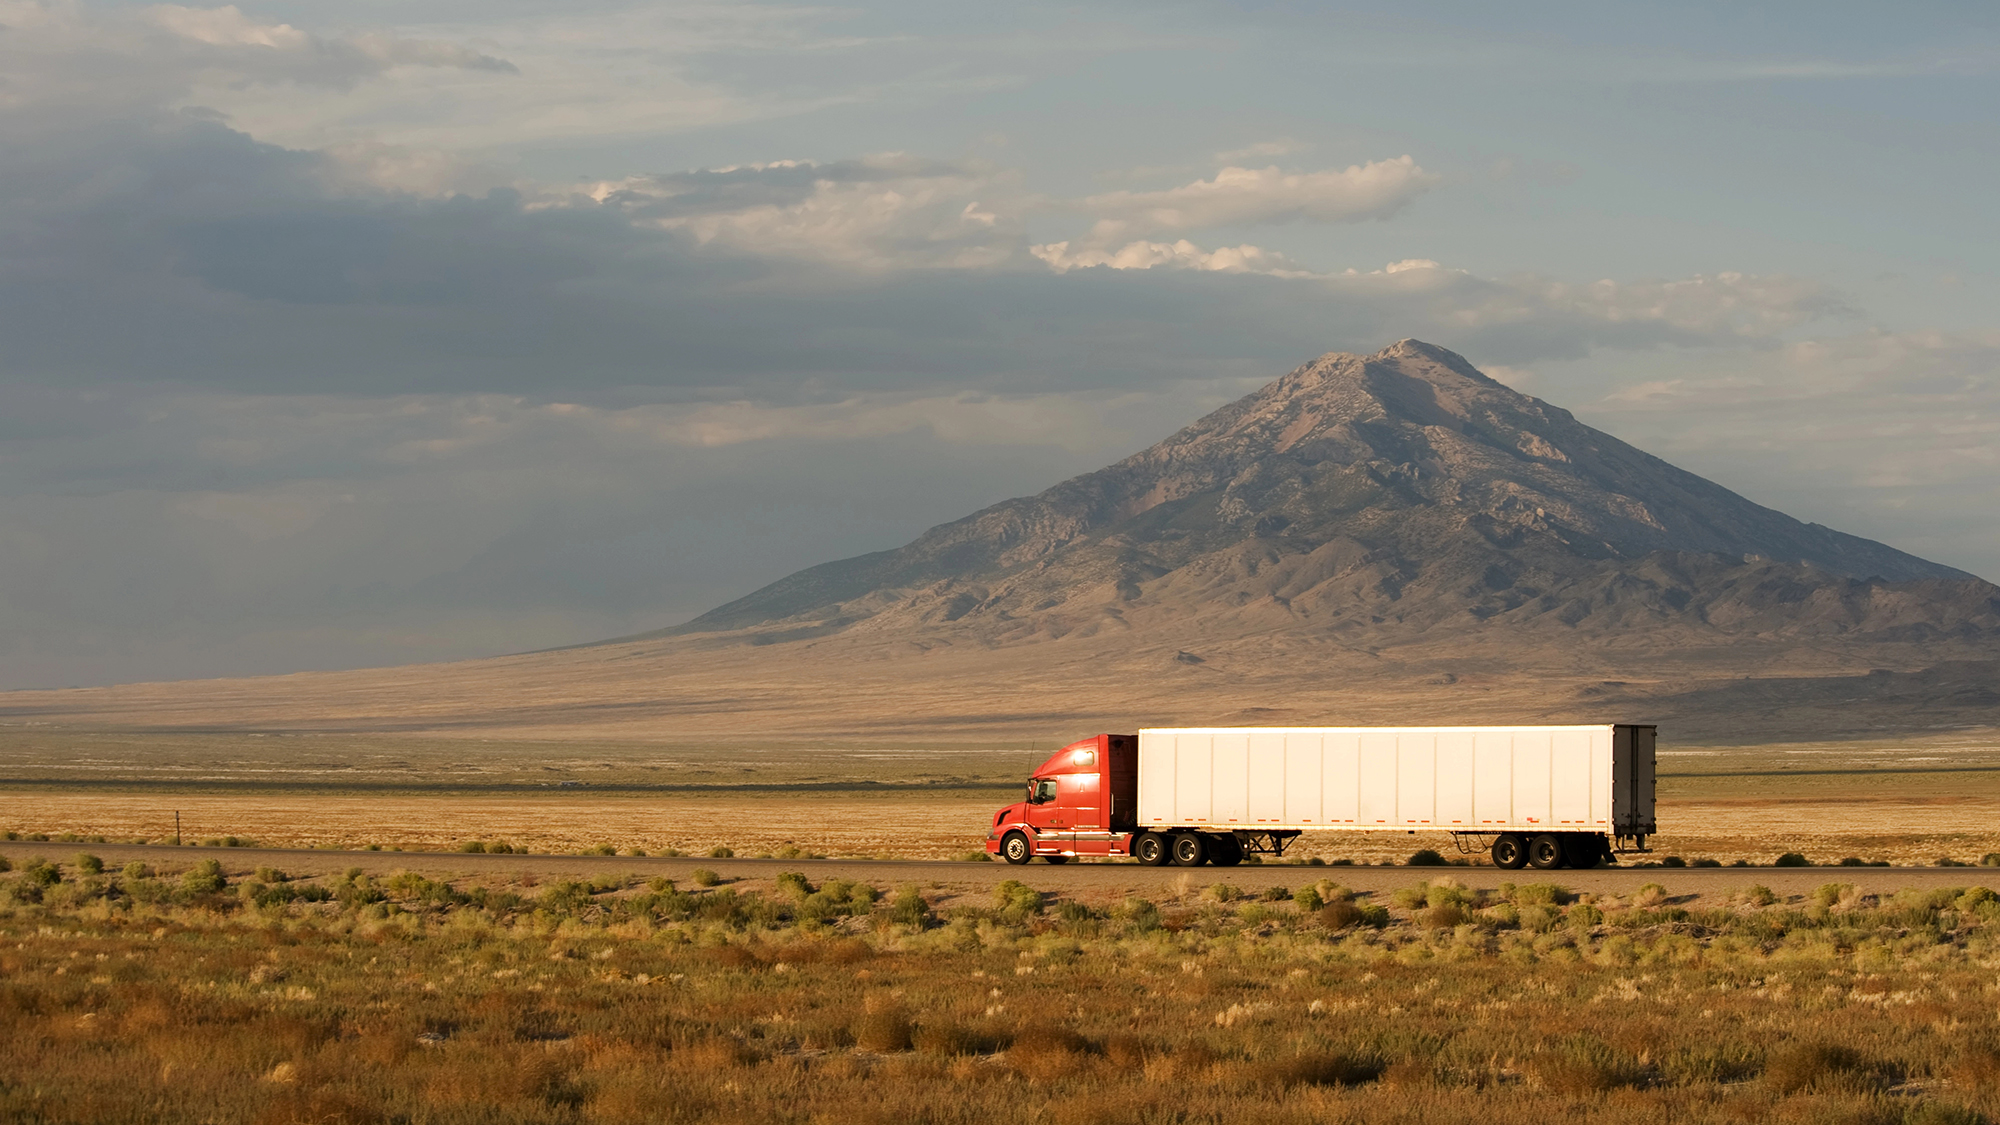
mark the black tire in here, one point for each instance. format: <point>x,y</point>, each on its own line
<point>1058,860</point>
<point>1225,851</point>
<point>1190,850</point>
<point>1151,849</point>
<point>1510,853</point>
<point>1545,852</point>
<point>1015,849</point>
<point>1582,850</point>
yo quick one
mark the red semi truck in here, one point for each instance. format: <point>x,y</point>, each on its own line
<point>1550,796</point>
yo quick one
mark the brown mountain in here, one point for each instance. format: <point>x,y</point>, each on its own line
<point>1381,498</point>
<point>1387,538</point>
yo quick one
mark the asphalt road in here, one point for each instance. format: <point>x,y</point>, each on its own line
<point>1091,881</point>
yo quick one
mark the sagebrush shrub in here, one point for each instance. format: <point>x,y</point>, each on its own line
<point>885,1029</point>
<point>1816,1066</point>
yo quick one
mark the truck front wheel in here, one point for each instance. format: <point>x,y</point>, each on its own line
<point>1510,853</point>
<point>1545,852</point>
<point>1015,849</point>
<point>1151,849</point>
<point>1190,850</point>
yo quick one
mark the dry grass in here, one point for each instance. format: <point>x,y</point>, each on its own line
<point>160,998</point>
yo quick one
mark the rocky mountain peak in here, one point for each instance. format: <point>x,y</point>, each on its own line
<point>1406,479</point>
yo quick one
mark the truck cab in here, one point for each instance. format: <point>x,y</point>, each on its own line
<point>1083,801</point>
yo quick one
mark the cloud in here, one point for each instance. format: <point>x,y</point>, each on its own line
<point>280,52</point>
<point>1181,254</point>
<point>878,212</point>
<point>1260,196</point>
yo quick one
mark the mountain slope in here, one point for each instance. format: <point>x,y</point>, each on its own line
<point>1403,489</point>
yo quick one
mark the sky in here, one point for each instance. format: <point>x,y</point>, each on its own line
<point>354,333</point>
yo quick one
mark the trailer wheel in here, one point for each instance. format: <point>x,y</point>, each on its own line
<point>1545,852</point>
<point>1225,851</point>
<point>1190,850</point>
<point>1151,849</point>
<point>1015,849</point>
<point>1510,853</point>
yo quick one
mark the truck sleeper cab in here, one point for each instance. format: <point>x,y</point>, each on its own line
<point>1546,796</point>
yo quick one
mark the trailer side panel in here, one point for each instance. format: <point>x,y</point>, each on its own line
<point>1462,779</point>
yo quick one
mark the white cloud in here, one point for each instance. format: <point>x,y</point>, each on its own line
<point>879,212</point>
<point>1238,196</point>
<point>1181,254</point>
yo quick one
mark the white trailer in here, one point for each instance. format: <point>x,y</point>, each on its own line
<point>1552,796</point>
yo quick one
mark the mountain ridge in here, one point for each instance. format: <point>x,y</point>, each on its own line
<point>1410,468</point>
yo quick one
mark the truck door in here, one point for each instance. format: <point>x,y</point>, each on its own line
<point>1080,796</point>
<point>1048,816</point>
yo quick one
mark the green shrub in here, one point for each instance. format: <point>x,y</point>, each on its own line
<point>794,884</point>
<point>1442,917</point>
<point>1140,914</point>
<point>1538,919</point>
<point>87,863</point>
<point>206,878</point>
<point>1760,895</point>
<point>136,870</point>
<point>703,877</point>
<point>1016,900</point>
<point>1673,861</point>
<point>720,852</point>
<point>910,908</point>
<point>1343,913</point>
<point>1536,894</point>
<point>1791,859</point>
<point>1275,894</point>
<point>1221,892</point>
<point>1308,899</point>
<point>41,872</point>
<point>1427,857</point>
